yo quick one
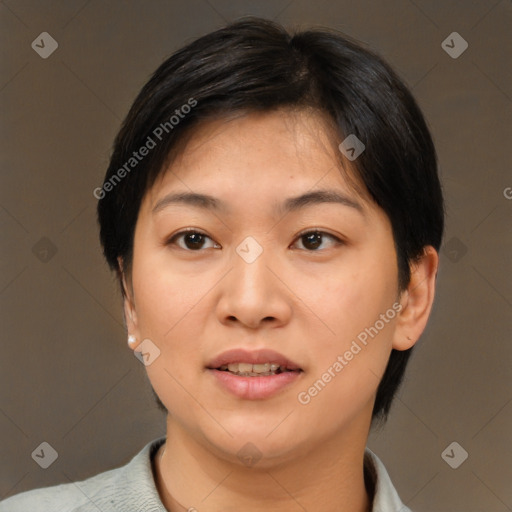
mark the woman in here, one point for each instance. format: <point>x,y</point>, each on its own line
<point>273,211</point>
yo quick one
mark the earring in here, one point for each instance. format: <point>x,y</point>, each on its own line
<point>131,339</point>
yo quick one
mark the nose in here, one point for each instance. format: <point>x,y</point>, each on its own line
<point>253,294</point>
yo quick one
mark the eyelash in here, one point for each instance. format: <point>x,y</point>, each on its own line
<point>189,231</point>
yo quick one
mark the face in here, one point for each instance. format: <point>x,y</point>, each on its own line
<point>252,274</point>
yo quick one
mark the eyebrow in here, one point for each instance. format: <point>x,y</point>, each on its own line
<point>291,204</point>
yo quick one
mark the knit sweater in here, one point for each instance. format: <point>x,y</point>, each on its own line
<point>131,488</point>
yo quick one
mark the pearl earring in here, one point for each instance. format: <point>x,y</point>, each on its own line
<point>131,339</point>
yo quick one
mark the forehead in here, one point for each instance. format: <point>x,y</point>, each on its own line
<point>259,155</point>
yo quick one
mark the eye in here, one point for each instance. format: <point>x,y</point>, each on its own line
<point>313,240</point>
<point>192,240</point>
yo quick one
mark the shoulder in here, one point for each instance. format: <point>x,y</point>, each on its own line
<point>385,496</point>
<point>129,487</point>
<point>64,498</point>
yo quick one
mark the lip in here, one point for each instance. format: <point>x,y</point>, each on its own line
<point>253,388</point>
<point>239,355</point>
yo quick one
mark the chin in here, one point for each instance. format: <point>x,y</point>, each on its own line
<point>258,444</point>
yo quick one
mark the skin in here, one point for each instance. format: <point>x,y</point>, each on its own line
<point>306,303</point>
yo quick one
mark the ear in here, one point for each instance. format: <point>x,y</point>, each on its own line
<point>130,313</point>
<point>416,301</point>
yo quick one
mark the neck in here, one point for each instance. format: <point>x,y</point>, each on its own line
<point>190,476</point>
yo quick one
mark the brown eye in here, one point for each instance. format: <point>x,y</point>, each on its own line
<point>192,240</point>
<point>312,240</point>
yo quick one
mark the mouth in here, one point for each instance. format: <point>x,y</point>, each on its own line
<point>253,375</point>
<point>256,363</point>
<point>255,370</point>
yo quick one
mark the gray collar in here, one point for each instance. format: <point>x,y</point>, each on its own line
<point>132,488</point>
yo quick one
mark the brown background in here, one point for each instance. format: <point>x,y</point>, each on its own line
<point>67,376</point>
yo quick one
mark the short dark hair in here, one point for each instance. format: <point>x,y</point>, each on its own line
<point>255,65</point>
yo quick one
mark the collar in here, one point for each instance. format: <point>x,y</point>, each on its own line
<point>138,474</point>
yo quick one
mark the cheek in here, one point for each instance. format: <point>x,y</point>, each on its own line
<point>353,346</point>
<point>345,299</point>
<point>172,308</point>
<point>165,298</point>
<point>168,307</point>
<point>346,372</point>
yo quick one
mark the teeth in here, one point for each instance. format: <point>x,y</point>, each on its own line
<point>260,368</point>
<point>248,369</point>
<point>243,368</point>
